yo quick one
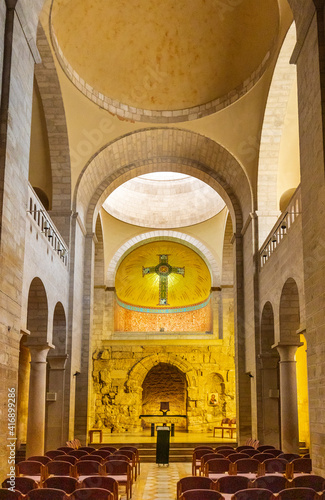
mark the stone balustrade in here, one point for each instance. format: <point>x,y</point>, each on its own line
<point>281,228</point>
<point>39,214</point>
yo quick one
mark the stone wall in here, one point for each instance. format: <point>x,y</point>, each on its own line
<point>119,393</point>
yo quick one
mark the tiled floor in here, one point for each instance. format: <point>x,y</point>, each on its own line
<point>158,482</point>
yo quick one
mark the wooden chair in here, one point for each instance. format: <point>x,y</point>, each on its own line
<point>103,482</point>
<point>136,451</point>
<point>193,482</point>
<point>302,465</point>
<point>60,468</point>
<point>253,494</point>
<point>109,448</point>
<point>46,494</point>
<point>65,483</point>
<point>91,494</point>
<point>265,447</point>
<point>261,457</point>
<point>298,494</point>
<point>217,467</point>
<point>65,458</point>
<point>226,452</point>
<point>274,483</point>
<point>31,468</point>
<point>251,453</point>
<point>89,449</point>
<point>288,456</point>
<point>225,447</point>
<point>131,456</point>
<point>196,459</point>
<point>228,425</point>
<point>77,453</point>
<point>275,466</point>
<point>101,453</point>
<point>54,453</point>
<point>65,448</point>
<point>201,495</point>
<point>247,466</point>
<point>22,484</point>
<point>308,481</point>
<point>122,472</point>
<point>96,458</point>
<point>87,468</point>
<point>40,458</point>
<point>232,484</point>
<point>233,457</point>
<point>10,495</point>
<point>244,447</point>
<point>206,457</point>
<point>274,452</point>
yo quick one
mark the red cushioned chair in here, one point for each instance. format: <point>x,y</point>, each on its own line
<point>65,483</point>
<point>47,494</point>
<point>275,466</point>
<point>122,472</point>
<point>103,482</point>
<point>298,494</point>
<point>232,484</point>
<point>274,483</point>
<point>253,494</point>
<point>65,458</point>
<point>216,467</point>
<point>309,481</point>
<point>201,495</point>
<point>91,494</point>
<point>22,484</point>
<point>10,495</point>
<point>54,453</point>
<point>194,483</point>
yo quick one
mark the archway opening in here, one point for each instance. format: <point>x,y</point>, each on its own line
<point>165,383</point>
<point>269,423</point>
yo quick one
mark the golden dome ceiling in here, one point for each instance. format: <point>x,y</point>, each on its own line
<point>164,55</point>
<point>139,277</point>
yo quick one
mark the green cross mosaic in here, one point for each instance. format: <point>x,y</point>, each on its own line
<point>163,269</point>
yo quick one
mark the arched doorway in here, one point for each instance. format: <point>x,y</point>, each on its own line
<point>287,348</point>
<point>165,383</point>
<point>38,346</point>
<point>269,421</point>
<point>56,381</point>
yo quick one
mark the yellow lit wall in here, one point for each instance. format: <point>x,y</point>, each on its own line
<point>302,385</point>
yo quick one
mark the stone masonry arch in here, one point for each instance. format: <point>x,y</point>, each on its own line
<point>161,149</point>
<point>140,370</point>
<point>182,238</point>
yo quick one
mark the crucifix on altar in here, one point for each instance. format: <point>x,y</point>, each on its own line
<point>163,269</point>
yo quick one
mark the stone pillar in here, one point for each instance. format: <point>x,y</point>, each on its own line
<point>55,435</point>
<point>288,396</point>
<point>216,305</point>
<point>268,399</point>
<point>36,403</point>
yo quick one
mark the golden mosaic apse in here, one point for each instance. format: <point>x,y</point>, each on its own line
<point>163,274</point>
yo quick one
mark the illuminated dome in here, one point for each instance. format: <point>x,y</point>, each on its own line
<point>179,65</point>
<point>164,200</point>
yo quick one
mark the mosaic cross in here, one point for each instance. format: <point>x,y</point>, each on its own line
<point>163,269</point>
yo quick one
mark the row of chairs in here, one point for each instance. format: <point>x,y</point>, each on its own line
<point>57,494</point>
<point>230,484</point>
<point>256,494</point>
<point>122,464</point>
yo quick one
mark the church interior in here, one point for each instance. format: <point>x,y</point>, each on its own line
<point>162,223</point>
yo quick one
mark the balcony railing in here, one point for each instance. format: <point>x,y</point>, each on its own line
<point>281,228</point>
<point>38,213</point>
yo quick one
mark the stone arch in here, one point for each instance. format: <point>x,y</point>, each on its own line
<point>162,149</point>
<point>37,310</point>
<point>164,382</point>
<point>59,330</point>
<point>140,370</point>
<point>289,311</point>
<point>275,119</point>
<point>268,380</point>
<point>182,238</point>
<point>57,133</point>
<point>267,328</point>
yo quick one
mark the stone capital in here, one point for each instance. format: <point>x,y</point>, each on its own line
<point>57,362</point>
<point>287,350</point>
<point>38,349</point>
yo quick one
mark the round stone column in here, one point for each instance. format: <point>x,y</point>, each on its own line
<point>36,402</point>
<point>288,396</point>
